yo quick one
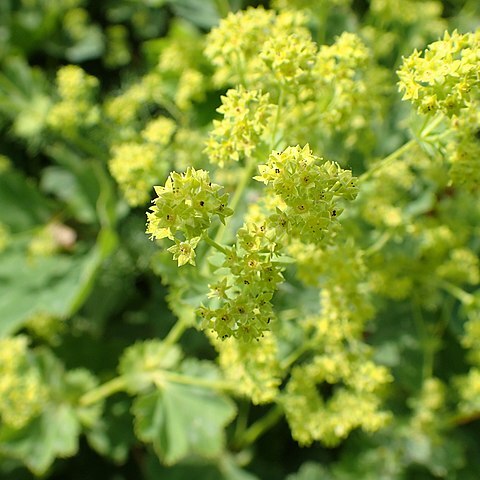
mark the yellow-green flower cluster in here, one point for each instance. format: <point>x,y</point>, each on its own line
<point>46,326</point>
<point>427,406</point>
<point>253,367</point>
<point>469,392</point>
<point>462,267</point>
<point>5,164</point>
<point>22,394</point>
<point>184,210</point>
<point>181,65</point>
<point>246,116</point>
<point>181,49</point>
<point>347,89</point>
<point>445,78</point>
<point>76,23</point>
<point>396,27</point>
<point>190,88</point>
<point>345,297</point>
<point>308,4</point>
<point>159,130</point>
<point>245,292</point>
<point>406,12</point>
<point>76,108</point>
<point>235,46</point>
<point>117,49</point>
<point>43,243</point>
<point>463,150</point>
<point>124,108</point>
<point>136,167</point>
<point>354,402</point>
<point>287,60</point>
<point>309,188</point>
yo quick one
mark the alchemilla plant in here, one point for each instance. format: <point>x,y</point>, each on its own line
<point>308,278</point>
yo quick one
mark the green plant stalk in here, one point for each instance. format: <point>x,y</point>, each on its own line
<point>237,196</point>
<point>223,7</point>
<point>87,147</point>
<point>260,427</point>
<point>215,245</point>
<point>388,160</point>
<point>277,119</point>
<point>119,384</point>
<point>105,390</point>
<point>378,244</point>
<point>173,377</point>
<point>462,419</point>
<point>247,174</point>
<point>176,332</point>
<point>456,292</point>
<point>428,353</point>
<point>403,149</point>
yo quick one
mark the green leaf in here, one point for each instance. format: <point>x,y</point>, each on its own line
<point>92,45</point>
<point>68,188</point>
<point>181,420</point>
<point>112,435</point>
<point>23,206</point>
<point>202,13</point>
<point>54,434</point>
<point>57,285</point>
<point>310,471</point>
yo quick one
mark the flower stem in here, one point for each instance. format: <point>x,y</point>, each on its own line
<point>176,332</point>
<point>223,7</point>
<point>456,292</point>
<point>260,427</point>
<point>114,385</point>
<point>237,196</point>
<point>174,377</point>
<point>215,245</point>
<point>388,160</point>
<point>403,149</point>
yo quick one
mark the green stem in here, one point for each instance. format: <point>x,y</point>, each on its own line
<point>277,120</point>
<point>119,384</point>
<point>242,420</point>
<point>462,419</point>
<point>223,7</point>
<point>294,356</point>
<point>375,247</point>
<point>403,149</point>
<point>260,427</point>
<point>114,385</point>
<point>215,245</point>
<point>427,367</point>
<point>87,146</point>
<point>176,332</point>
<point>237,196</point>
<point>456,292</point>
<point>174,111</point>
<point>388,160</point>
<point>173,377</point>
